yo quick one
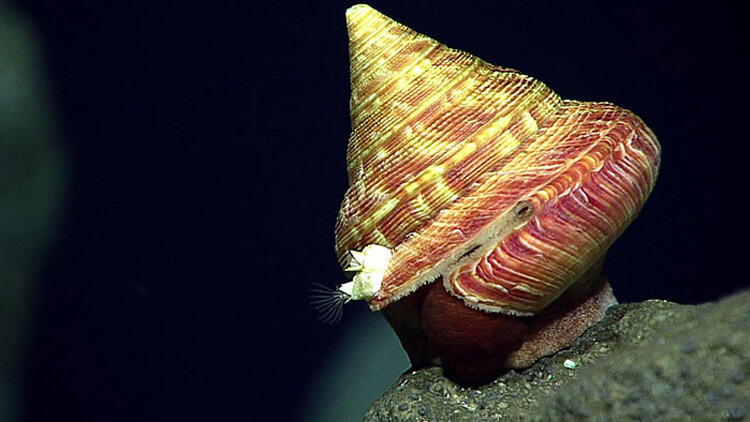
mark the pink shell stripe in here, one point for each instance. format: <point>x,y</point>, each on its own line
<point>586,190</point>
<point>530,268</point>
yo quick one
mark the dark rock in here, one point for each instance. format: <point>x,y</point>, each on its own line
<point>653,360</point>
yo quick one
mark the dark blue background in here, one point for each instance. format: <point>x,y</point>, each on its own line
<point>207,144</point>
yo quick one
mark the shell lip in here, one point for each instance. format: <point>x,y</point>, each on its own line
<point>514,218</point>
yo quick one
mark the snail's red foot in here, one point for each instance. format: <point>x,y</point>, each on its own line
<point>560,324</point>
<point>474,346</point>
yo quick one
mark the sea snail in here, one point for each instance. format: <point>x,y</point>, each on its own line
<point>480,204</point>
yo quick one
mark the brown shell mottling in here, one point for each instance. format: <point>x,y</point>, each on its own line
<point>443,147</point>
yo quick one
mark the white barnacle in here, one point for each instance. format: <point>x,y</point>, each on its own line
<point>370,265</point>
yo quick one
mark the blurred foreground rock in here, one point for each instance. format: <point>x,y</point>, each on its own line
<point>30,191</point>
<point>648,361</point>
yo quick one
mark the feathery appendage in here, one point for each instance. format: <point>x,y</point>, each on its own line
<point>328,302</point>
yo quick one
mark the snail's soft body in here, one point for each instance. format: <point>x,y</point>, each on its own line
<point>495,199</point>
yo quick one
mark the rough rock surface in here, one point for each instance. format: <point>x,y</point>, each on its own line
<point>653,360</point>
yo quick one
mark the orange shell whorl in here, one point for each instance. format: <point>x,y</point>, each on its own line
<point>444,145</point>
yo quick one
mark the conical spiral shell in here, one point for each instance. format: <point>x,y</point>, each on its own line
<point>444,150</point>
